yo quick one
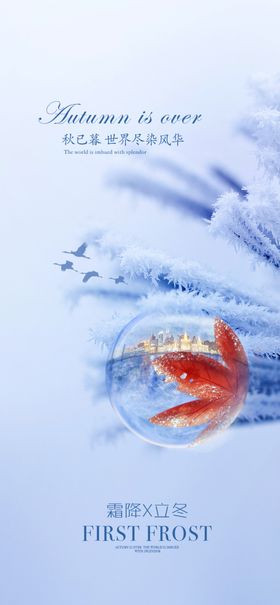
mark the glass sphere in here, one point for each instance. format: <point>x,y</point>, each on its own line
<point>177,380</point>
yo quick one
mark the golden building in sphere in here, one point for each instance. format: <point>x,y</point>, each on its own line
<point>164,342</point>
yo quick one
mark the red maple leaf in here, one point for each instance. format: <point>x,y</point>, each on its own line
<point>220,388</point>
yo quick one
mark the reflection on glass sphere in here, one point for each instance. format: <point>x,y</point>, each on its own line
<point>177,380</point>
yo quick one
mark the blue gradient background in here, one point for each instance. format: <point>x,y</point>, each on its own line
<point>115,56</point>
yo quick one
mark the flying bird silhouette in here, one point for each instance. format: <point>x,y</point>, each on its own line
<point>80,252</point>
<point>221,388</point>
<point>89,274</point>
<point>118,280</point>
<point>68,265</point>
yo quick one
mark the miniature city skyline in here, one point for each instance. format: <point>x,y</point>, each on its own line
<point>164,342</point>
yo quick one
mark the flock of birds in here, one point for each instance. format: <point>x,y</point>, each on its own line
<point>80,253</point>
